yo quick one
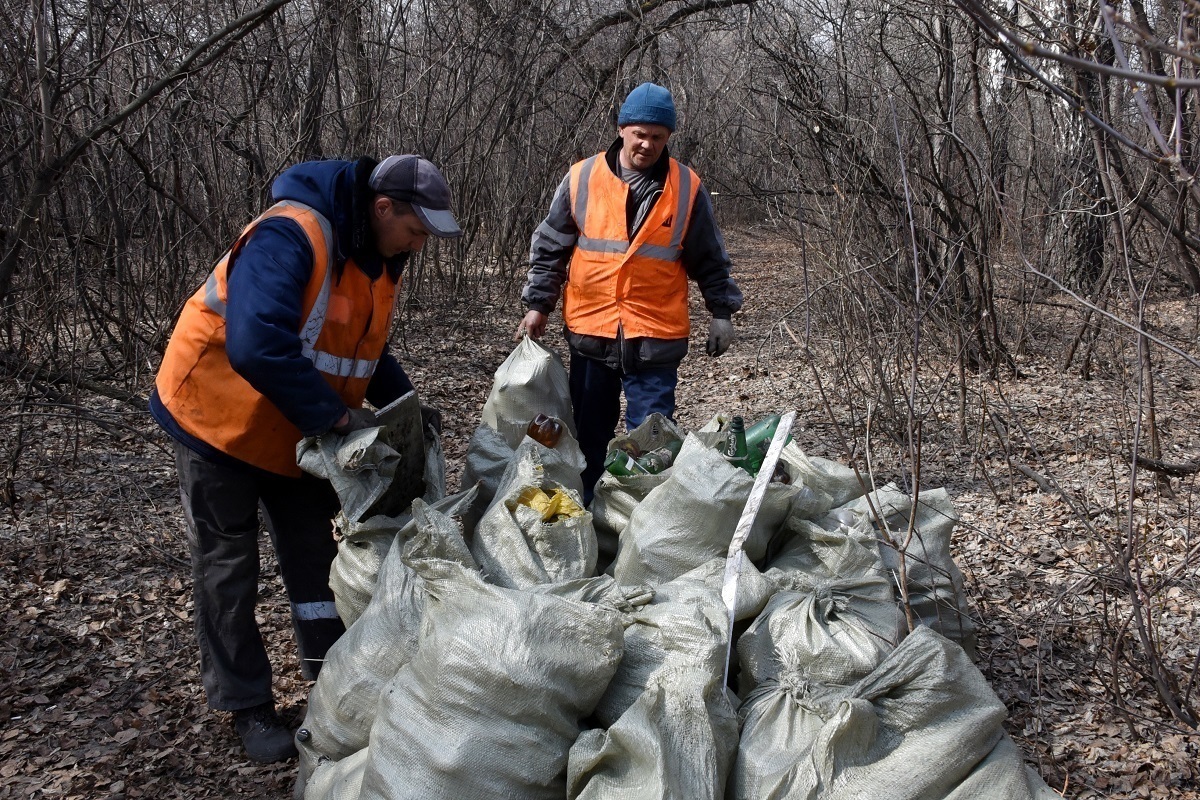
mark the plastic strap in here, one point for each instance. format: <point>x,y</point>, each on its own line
<point>735,556</point>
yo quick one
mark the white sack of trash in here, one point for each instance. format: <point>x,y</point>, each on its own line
<point>486,658</point>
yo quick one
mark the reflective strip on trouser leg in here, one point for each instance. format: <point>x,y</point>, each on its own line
<point>324,609</point>
<point>317,626</point>
<point>314,637</point>
<point>298,513</point>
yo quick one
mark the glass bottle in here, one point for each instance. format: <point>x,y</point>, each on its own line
<point>545,430</point>
<point>627,444</point>
<point>623,465</point>
<point>758,440</point>
<point>657,460</point>
<point>736,449</point>
<point>780,475</point>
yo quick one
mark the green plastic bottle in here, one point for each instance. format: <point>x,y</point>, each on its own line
<point>758,439</point>
<point>736,450</point>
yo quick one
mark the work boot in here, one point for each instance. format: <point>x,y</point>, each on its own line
<point>264,735</point>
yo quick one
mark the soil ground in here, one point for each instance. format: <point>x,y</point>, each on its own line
<point>101,695</point>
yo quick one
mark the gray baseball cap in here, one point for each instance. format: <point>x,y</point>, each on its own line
<point>416,181</point>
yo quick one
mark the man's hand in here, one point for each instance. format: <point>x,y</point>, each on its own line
<point>355,419</point>
<point>532,325</point>
<point>431,418</point>
<point>720,336</point>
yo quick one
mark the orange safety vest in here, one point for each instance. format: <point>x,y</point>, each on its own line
<point>345,328</point>
<point>639,287</point>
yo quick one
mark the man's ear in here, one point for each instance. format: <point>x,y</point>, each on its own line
<point>381,206</point>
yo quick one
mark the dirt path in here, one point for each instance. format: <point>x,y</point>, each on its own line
<point>101,696</point>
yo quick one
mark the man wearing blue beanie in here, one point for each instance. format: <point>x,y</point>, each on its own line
<point>626,230</point>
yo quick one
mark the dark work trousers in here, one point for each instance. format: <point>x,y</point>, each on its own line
<point>596,400</point>
<point>221,506</point>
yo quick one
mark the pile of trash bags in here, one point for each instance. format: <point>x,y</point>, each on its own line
<point>507,641</point>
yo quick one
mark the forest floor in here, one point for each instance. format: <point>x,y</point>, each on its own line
<point>101,696</point>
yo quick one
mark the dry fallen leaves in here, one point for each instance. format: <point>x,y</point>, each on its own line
<point>101,696</point>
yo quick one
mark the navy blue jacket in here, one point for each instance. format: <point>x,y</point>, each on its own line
<point>266,296</point>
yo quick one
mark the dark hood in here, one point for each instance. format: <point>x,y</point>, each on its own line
<point>338,190</point>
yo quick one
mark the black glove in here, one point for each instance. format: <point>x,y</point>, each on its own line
<point>360,419</point>
<point>431,418</point>
<point>720,336</point>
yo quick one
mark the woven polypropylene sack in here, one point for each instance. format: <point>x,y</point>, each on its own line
<point>754,588</point>
<point>1003,774</point>
<point>831,484</point>
<point>809,554</point>
<point>516,545</point>
<point>924,725</point>
<point>777,728</point>
<point>600,589</point>
<point>492,701</point>
<point>363,546</point>
<point>344,700</point>
<point>489,455</point>
<point>934,582</point>
<point>671,731</point>
<point>837,609</point>
<point>683,628</point>
<point>691,517</point>
<point>828,478</point>
<point>355,571</point>
<point>531,381</point>
<point>676,742</point>
<point>828,635</point>
<point>336,780</point>
<point>615,497</point>
<point>360,466</point>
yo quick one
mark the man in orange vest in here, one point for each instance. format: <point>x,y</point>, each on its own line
<point>626,230</point>
<point>285,339</point>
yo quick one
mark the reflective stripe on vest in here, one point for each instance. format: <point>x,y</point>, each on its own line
<point>559,238</point>
<point>212,298</point>
<point>581,193</point>
<point>617,282</point>
<point>310,331</point>
<point>347,316</point>
<point>672,252</point>
<point>601,245</point>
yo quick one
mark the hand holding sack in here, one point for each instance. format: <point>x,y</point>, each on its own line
<point>357,419</point>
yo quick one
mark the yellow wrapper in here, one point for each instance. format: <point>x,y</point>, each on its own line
<point>552,506</point>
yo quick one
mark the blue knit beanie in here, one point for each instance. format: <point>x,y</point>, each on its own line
<point>648,103</point>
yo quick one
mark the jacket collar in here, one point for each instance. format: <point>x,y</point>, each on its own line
<point>658,172</point>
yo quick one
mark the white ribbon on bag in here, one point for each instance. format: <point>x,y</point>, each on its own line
<point>735,556</point>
